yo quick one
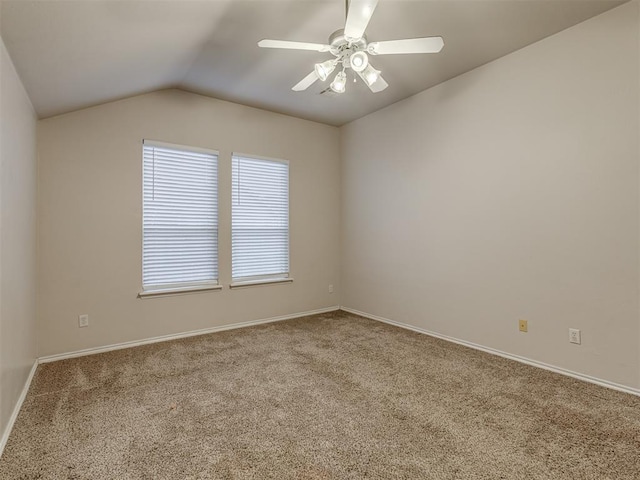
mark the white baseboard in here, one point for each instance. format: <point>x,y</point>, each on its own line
<point>175,336</point>
<point>16,409</point>
<point>510,356</point>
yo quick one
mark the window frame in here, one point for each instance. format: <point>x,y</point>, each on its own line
<point>182,287</point>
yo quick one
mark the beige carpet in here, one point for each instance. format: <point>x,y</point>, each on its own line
<point>329,396</point>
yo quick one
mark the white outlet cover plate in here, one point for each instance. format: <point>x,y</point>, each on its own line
<point>574,336</point>
<point>83,320</point>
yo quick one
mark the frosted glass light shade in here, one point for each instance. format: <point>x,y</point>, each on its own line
<point>370,75</point>
<point>358,61</point>
<point>324,69</point>
<point>339,83</point>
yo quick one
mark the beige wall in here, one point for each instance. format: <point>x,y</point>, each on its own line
<point>90,214</point>
<point>508,192</point>
<point>17,237</point>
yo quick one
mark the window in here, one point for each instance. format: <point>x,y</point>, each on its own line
<point>259,219</point>
<point>180,217</point>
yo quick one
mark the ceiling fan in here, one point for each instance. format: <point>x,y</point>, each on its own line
<point>351,50</point>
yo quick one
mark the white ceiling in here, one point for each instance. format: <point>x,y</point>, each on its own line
<point>72,54</point>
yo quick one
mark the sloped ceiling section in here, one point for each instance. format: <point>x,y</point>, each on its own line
<point>75,54</point>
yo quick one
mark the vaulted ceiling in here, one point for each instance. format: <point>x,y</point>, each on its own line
<point>75,54</point>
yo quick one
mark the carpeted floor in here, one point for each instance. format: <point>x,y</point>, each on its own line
<point>329,396</point>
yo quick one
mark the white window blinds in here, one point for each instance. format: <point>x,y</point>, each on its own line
<point>180,216</point>
<point>259,218</point>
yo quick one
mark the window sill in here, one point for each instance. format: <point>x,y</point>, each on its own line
<point>167,292</point>
<point>255,283</point>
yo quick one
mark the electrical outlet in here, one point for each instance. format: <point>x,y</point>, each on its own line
<point>523,325</point>
<point>330,288</point>
<point>574,336</point>
<point>83,320</point>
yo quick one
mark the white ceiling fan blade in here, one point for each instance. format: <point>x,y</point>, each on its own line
<point>358,17</point>
<point>306,82</point>
<point>409,45</point>
<point>317,47</point>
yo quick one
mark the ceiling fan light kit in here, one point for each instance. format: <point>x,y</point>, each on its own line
<point>358,61</point>
<point>339,83</point>
<point>370,75</point>
<point>351,50</point>
<point>324,69</point>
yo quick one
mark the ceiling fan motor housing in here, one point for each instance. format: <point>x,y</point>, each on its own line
<point>338,41</point>
<point>343,48</point>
